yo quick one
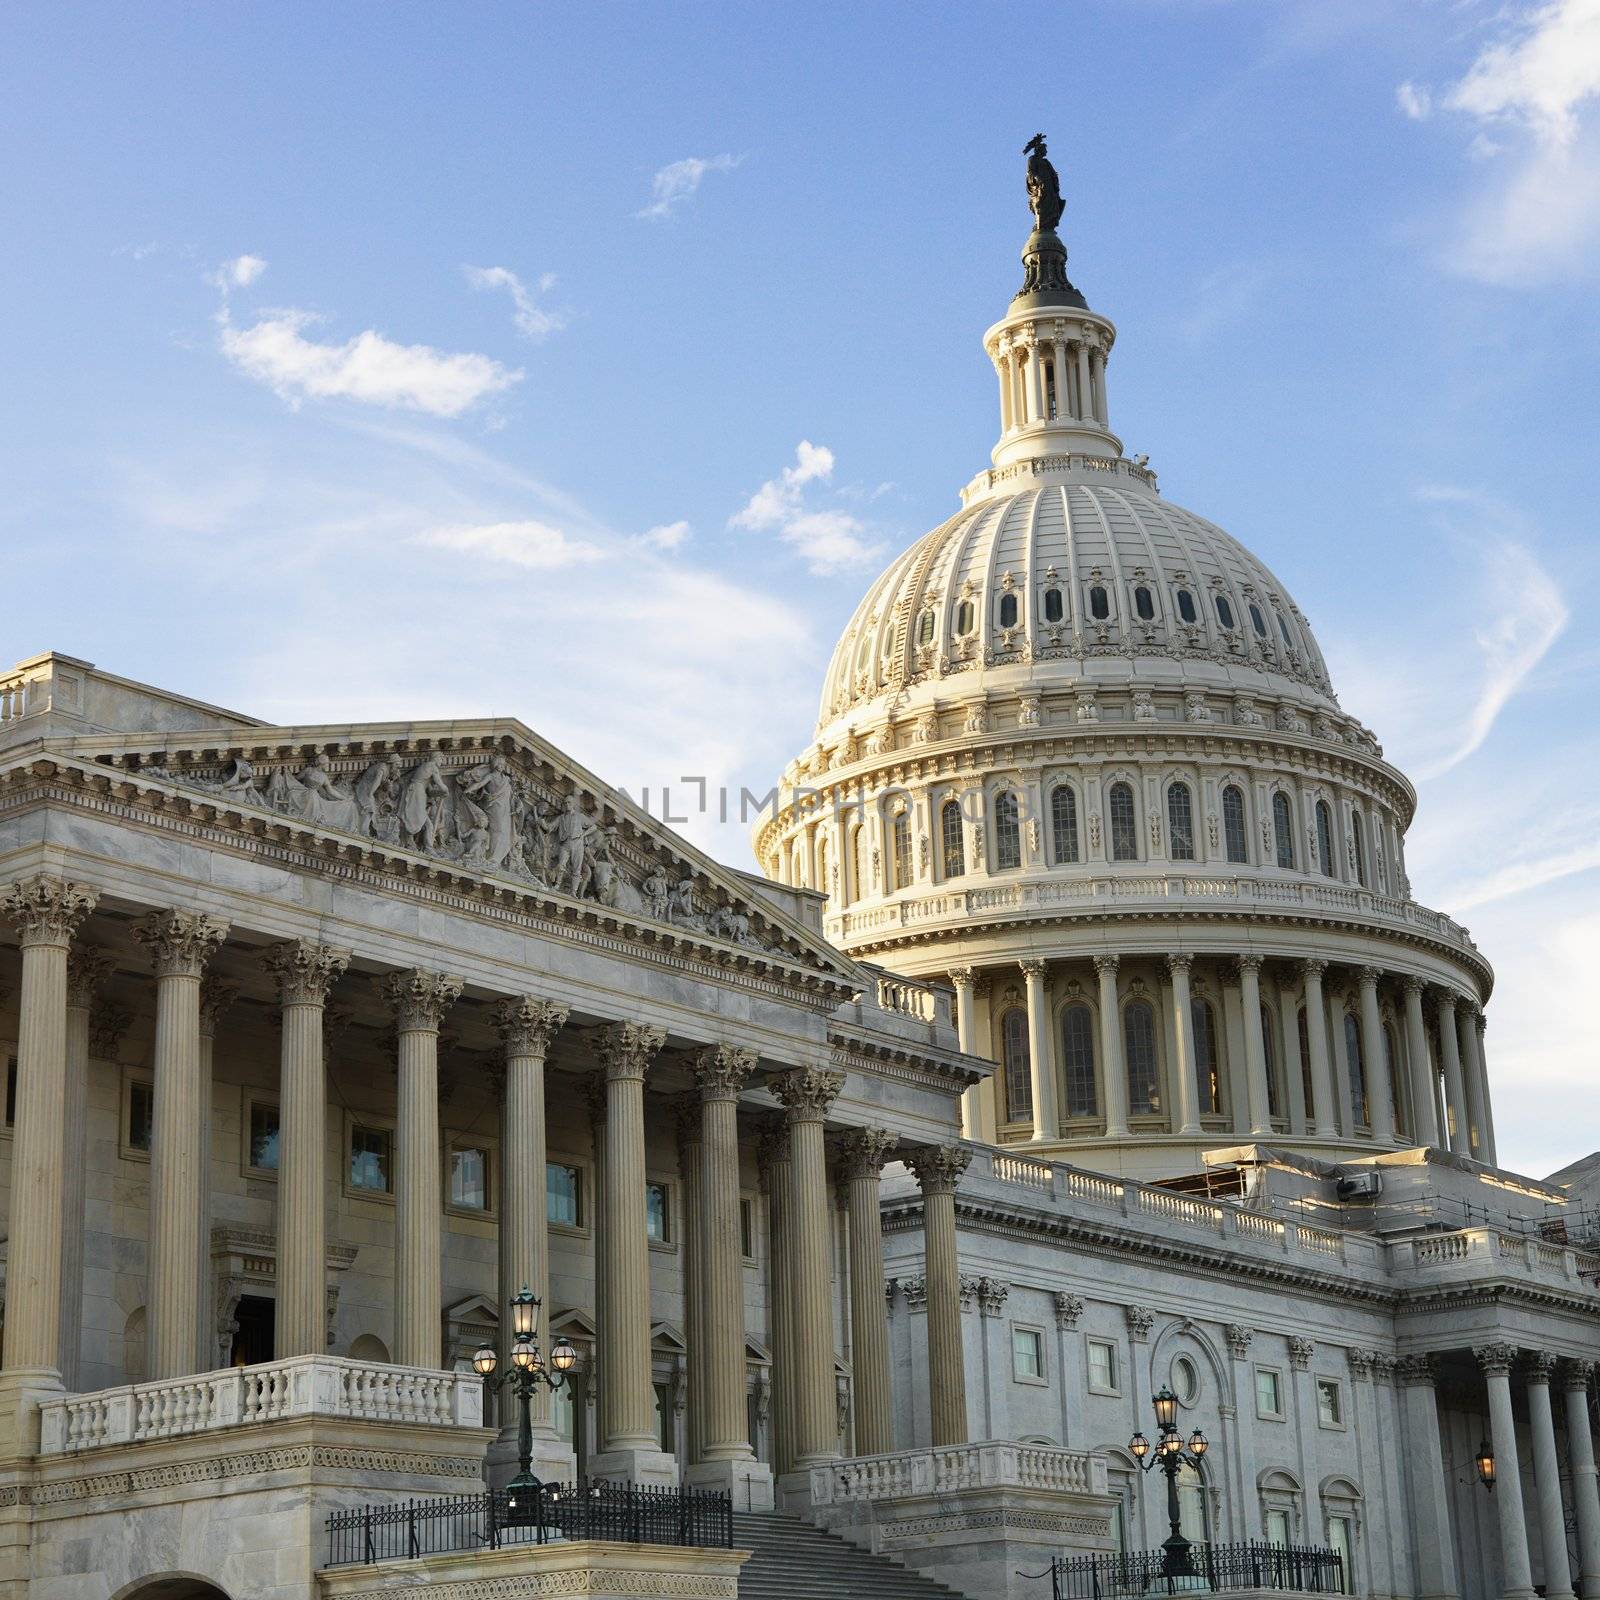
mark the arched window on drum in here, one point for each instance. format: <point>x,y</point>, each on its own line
<point>1180,821</point>
<point>1283,829</point>
<point>952,840</point>
<point>1124,823</point>
<point>1063,825</point>
<point>1015,1065</point>
<point>1325,839</point>
<point>1235,834</point>
<point>1207,1068</point>
<point>1139,1052</point>
<point>1077,1060</point>
<point>900,834</point>
<point>1007,831</point>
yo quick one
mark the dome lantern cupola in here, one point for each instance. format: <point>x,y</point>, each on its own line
<point>1050,349</point>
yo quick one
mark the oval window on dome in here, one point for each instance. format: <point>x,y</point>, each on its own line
<point>964,617</point>
<point>1186,608</point>
<point>1008,611</point>
<point>1144,603</point>
<point>1224,611</point>
<point>1099,604</point>
<point>1257,621</point>
<point>1052,605</point>
<point>925,627</point>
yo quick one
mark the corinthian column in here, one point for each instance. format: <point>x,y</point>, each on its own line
<point>419,1000</point>
<point>629,1446</point>
<point>1255,1055</point>
<point>1188,1085</point>
<point>1424,1119</point>
<point>304,972</point>
<point>1326,1124</point>
<point>772,1156</point>
<point>527,1024</point>
<point>1380,1092</point>
<point>181,943</point>
<point>1455,1097</point>
<point>216,995</point>
<point>87,969</point>
<point>807,1093</point>
<point>1580,1453</point>
<point>1515,1568</point>
<point>1113,1068</point>
<point>1547,1479</point>
<point>864,1152</point>
<point>726,1460</point>
<point>938,1169</point>
<point>1430,1488</point>
<point>961,979</point>
<point>47,913</point>
<point>1472,1081</point>
<point>1041,1058</point>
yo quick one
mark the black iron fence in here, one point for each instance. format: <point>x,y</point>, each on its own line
<point>500,1517</point>
<point>1301,1569</point>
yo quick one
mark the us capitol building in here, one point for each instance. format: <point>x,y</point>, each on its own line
<point>1082,1040</point>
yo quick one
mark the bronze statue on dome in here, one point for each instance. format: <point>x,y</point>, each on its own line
<point>1044,187</point>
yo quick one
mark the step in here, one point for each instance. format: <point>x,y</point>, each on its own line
<point>794,1560</point>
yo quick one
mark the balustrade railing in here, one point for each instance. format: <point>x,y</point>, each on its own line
<point>950,1469</point>
<point>303,1386</point>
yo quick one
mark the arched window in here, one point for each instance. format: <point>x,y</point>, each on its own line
<point>1269,1052</point>
<point>1124,824</point>
<point>1257,621</point>
<point>1008,611</point>
<point>1064,824</point>
<point>856,866</point>
<point>823,882</point>
<point>1224,611</point>
<point>797,865</point>
<point>1357,830</point>
<point>1139,1051</point>
<point>1325,839</point>
<point>1283,829</point>
<point>1053,609</point>
<point>1283,628</point>
<point>1306,1090</point>
<point>1180,821</point>
<point>1077,1059</point>
<point>925,627</point>
<point>1194,1516</point>
<point>1401,1123</point>
<point>1207,1074</point>
<point>1357,1063</point>
<point>1014,1053</point>
<point>964,618</point>
<point>1144,604</point>
<point>1007,832</point>
<point>1235,836</point>
<point>1099,604</point>
<point>1186,608</point>
<point>951,839</point>
<point>900,834</point>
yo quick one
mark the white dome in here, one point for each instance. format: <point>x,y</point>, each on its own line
<point>1085,578</point>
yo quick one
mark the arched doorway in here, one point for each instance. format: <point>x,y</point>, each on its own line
<point>172,1586</point>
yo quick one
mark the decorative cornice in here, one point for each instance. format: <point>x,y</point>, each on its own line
<point>720,1070</point>
<point>419,998</point>
<point>527,1024</point>
<point>46,910</point>
<point>181,943</point>
<point>304,970</point>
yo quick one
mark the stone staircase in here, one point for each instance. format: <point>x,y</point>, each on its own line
<point>792,1560</point>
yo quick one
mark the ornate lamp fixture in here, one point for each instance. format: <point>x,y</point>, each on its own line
<point>1484,1462</point>
<point>527,1372</point>
<point>1171,1453</point>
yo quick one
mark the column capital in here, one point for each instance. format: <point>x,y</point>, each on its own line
<point>1239,1336</point>
<point>962,977</point>
<point>807,1092</point>
<point>772,1147</point>
<point>1313,969</point>
<point>527,1024</point>
<point>721,1069</point>
<point>626,1049</point>
<point>1251,963</point>
<point>938,1166</point>
<point>1360,1363</point>
<point>181,943</point>
<point>1300,1353</point>
<point>1032,971</point>
<point>1538,1366</point>
<point>1448,1000</point>
<point>1413,984</point>
<point>863,1151</point>
<point>1495,1359</point>
<point>107,1024</point>
<point>1575,1375</point>
<point>88,967</point>
<point>304,970</point>
<point>1107,963</point>
<point>688,1120</point>
<point>1179,963</point>
<point>1416,1370</point>
<point>48,910</point>
<point>1372,975</point>
<point>419,998</point>
<point>216,995</point>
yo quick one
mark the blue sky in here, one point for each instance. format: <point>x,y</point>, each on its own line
<point>404,360</point>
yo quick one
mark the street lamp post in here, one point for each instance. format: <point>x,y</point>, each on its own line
<point>1171,1454</point>
<point>525,1375</point>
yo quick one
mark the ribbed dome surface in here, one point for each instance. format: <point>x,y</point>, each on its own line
<point>1085,574</point>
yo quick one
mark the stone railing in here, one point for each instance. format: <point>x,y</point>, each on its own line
<point>1480,1249</point>
<point>305,1386</point>
<point>909,998</point>
<point>13,697</point>
<point>954,1469</point>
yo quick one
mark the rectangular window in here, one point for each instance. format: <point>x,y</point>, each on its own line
<point>1269,1394</point>
<point>563,1190</point>
<point>747,1229</point>
<point>1330,1403</point>
<point>1027,1355</point>
<point>657,1214</point>
<point>469,1177</point>
<point>141,1115</point>
<point>263,1153</point>
<point>11,1092</point>
<point>1340,1542</point>
<point>666,1429</point>
<point>1277,1527</point>
<point>371,1159</point>
<point>1103,1378</point>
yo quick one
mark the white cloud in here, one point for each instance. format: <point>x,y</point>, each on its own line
<point>680,181</point>
<point>522,544</point>
<point>1530,96</point>
<point>779,498</point>
<point>532,319</point>
<point>831,541</point>
<point>368,368</point>
<point>237,273</point>
<point>666,536</point>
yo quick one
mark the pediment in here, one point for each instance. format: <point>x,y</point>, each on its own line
<point>487,801</point>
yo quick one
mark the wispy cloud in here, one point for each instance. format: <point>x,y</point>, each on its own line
<point>680,181</point>
<point>1530,97</point>
<point>532,319</point>
<point>666,536</point>
<point>369,368</point>
<point>238,273</point>
<point>521,544</point>
<point>829,540</point>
